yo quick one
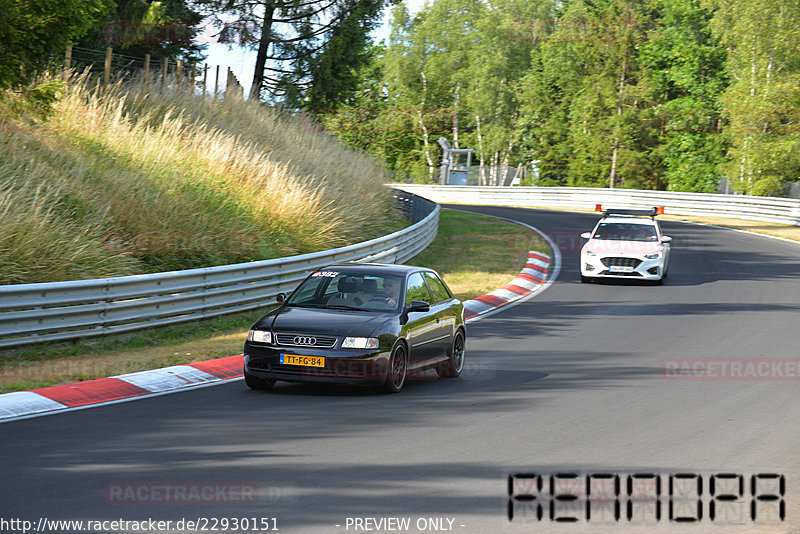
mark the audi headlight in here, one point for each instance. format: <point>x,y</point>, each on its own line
<point>259,336</point>
<point>360,343</point>
<point>654,256</point>
<point>590,253</point>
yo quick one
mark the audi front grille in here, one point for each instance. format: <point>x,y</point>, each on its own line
<point>305,340</point>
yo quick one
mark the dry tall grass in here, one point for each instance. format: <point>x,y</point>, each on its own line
<point>129,179</point>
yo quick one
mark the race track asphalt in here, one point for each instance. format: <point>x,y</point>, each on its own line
<point>576,380</point>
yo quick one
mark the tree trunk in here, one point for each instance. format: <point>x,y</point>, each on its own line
<point>482,160</point>
<point>425,137</point>
<point>456,102</point>
<point>504,163</point>
<point>745,167</point>
<point>263,48</point>
<point>765,96</point>
<point>612,179</point>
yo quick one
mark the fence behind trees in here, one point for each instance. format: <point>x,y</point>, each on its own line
<point>113,67</point>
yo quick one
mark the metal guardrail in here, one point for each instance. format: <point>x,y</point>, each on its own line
<point>58,311</point>
<point>769,209</point>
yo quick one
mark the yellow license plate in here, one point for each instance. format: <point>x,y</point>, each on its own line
<point>308,361</point>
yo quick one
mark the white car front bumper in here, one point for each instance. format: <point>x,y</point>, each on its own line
<point>631,267</point>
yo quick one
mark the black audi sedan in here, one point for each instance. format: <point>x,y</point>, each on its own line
<point>359,324</point>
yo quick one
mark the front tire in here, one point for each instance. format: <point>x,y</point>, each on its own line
<point>455,364</point>
<point>398,367</point>
<point>585,280</point>
<point>254,382</point>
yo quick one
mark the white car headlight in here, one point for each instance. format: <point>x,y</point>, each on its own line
<point>360,343</point>
<point>590,253</point>
<point>259,336</point>
<point>654,256</point>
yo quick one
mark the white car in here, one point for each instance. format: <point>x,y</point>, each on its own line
<point>626,244</point>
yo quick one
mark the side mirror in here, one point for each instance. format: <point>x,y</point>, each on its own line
<point>586,235</point>
<point>666,239</point>
<point>418,306</point>
<point>281,298</point>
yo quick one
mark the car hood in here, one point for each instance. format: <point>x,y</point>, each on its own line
<point>323,322</point>
<point>633,248</point>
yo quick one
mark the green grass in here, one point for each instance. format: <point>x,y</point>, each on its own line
<point>475,254</point>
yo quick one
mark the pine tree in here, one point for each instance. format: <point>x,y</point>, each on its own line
<point>288,35</point>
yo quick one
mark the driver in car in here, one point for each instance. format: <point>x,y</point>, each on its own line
<point>390,292</point>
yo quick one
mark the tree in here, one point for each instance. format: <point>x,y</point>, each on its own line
<point>655,94</point>
<point>586,99</point>
<point>425,74</point>
<point>610,134</point>
<point>370,124</point>
<point>453,71</point>
<point>287,34</point>
<point>762,102</point>
<point>34,32</point>
<point>547,91</point>
<point>161,28</point>
<point>335,70</point>
<point>501,56</point>
<point>686,69</point>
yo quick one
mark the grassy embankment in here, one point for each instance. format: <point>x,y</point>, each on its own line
<point>125,181</point>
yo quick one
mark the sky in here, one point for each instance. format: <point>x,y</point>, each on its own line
<point>242,60</point>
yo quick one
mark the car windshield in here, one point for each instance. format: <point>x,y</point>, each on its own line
<point>625,232</point>
<point>349,291</point>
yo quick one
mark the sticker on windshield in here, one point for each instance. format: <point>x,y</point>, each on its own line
<point>329,274</point>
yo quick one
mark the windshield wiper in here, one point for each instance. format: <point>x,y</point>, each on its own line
<point>342,307</point>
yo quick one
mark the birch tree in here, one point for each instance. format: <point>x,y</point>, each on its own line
<point>762,103</point>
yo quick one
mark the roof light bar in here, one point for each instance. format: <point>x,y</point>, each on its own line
<point>646,213</point>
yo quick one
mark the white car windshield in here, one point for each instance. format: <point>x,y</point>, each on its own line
<point>625,232</point>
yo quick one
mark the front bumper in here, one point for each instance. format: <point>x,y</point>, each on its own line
<point>348,366</point>
<point>635,267</point>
